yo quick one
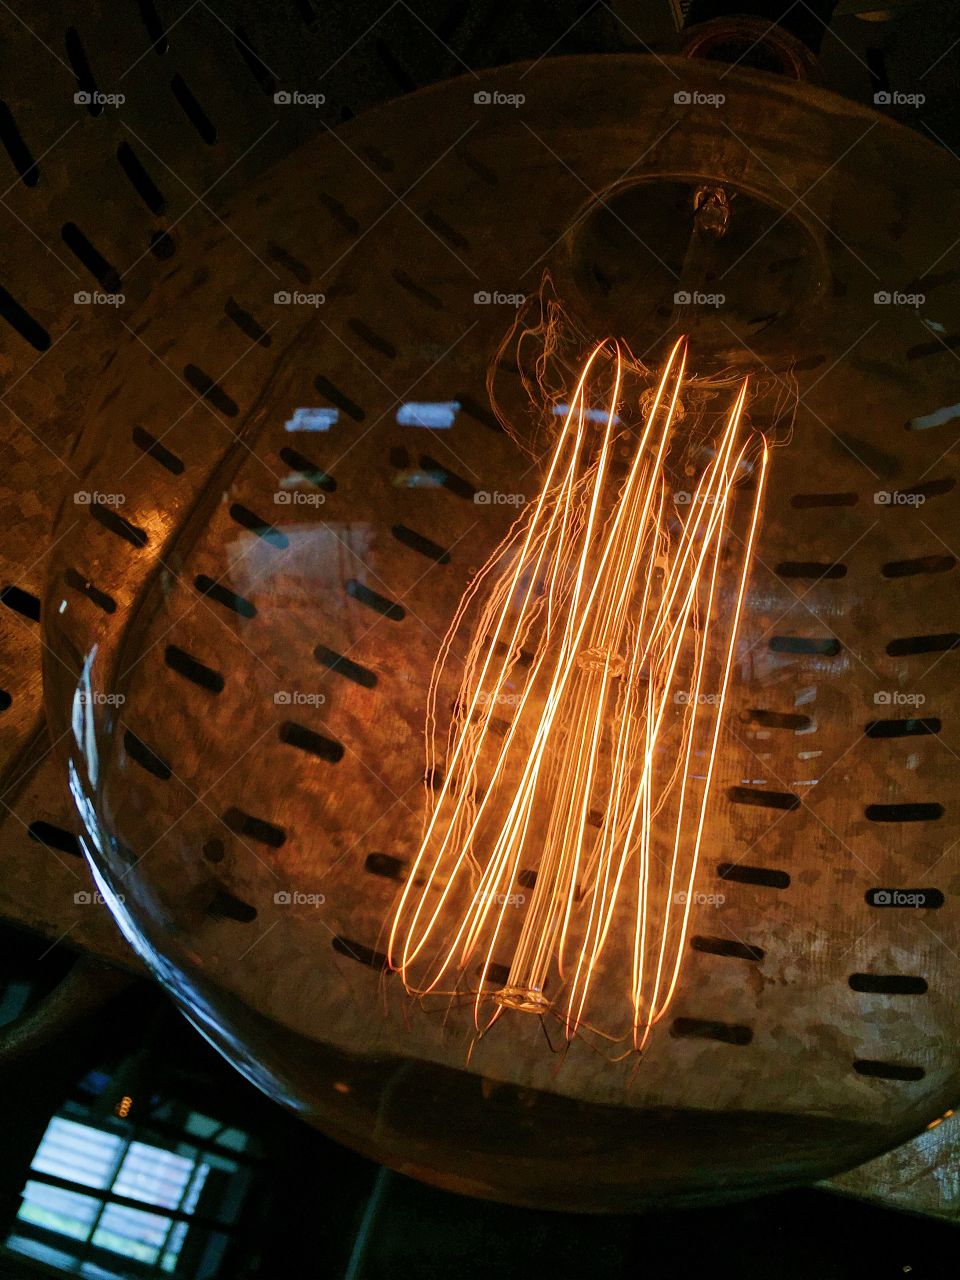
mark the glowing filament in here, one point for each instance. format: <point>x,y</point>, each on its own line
<point>598,643</point>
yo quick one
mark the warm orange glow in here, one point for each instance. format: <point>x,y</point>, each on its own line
<point>597,645</point>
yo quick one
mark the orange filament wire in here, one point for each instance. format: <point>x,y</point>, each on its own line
<point>599,624</point>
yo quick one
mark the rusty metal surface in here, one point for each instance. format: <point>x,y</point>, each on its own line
<point>399,320</point>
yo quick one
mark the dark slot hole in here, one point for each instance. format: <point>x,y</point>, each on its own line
<point>100,598</point>
<point>245,824</point>
<point>81,68</point>
<point>417,542</point>
<point>378,159</point>
<point>6,701</point>
<point>445,231</point>
<point>116,524</point>
<point>763,799</point>
<point>931,488</point>
<point>472,163</point>
<point>205,386</point>
<point>528,879</point>
<point>140,180</point>
<point>373,600</point>
<point>258,68</point>
<point>805,644</point>
<point>151,20</point>
<point>198,672</point>
<point>20,601</point>
<point>727,947</point>
<point>17,149</point>
<point>23,322</point>
<point>902,728</point>
<point>296,735</point>
<point>345,667</point>
<point>473,409</point>
<point>309,470</point>
<point>806,500</point>
<point>913,812</point>
<point>162,245</point>
<point>925,349</point>
<point>90,256</point>
<point>904,899</point>
<point>226,906</point>
<point>193,111</point>
<point>888,984</point>
<point>448,479</point>
<point>55,838</point>
<point>363,955</point>
<point>339,213</point>
<point>393,66</point>
<point>250,520</point>
<point>229,599</point>
<point>698,1029</point>
<point>777,719</point>
<point>214,851</point>
<point>246,323</point>
<point>923,644</point>
<point>521,657</point>
<point>337,397</point>
<point>887,1070</point>
<point>761,876</point>
<point>299,270</point>
<point>151,445</point>
<point>145,757</point>
<point>386,865</point>
<point>810,569</point>
<point>418,291</point>
<point>374,340</point>
<point>924,564</point>
<point>498,974</point>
